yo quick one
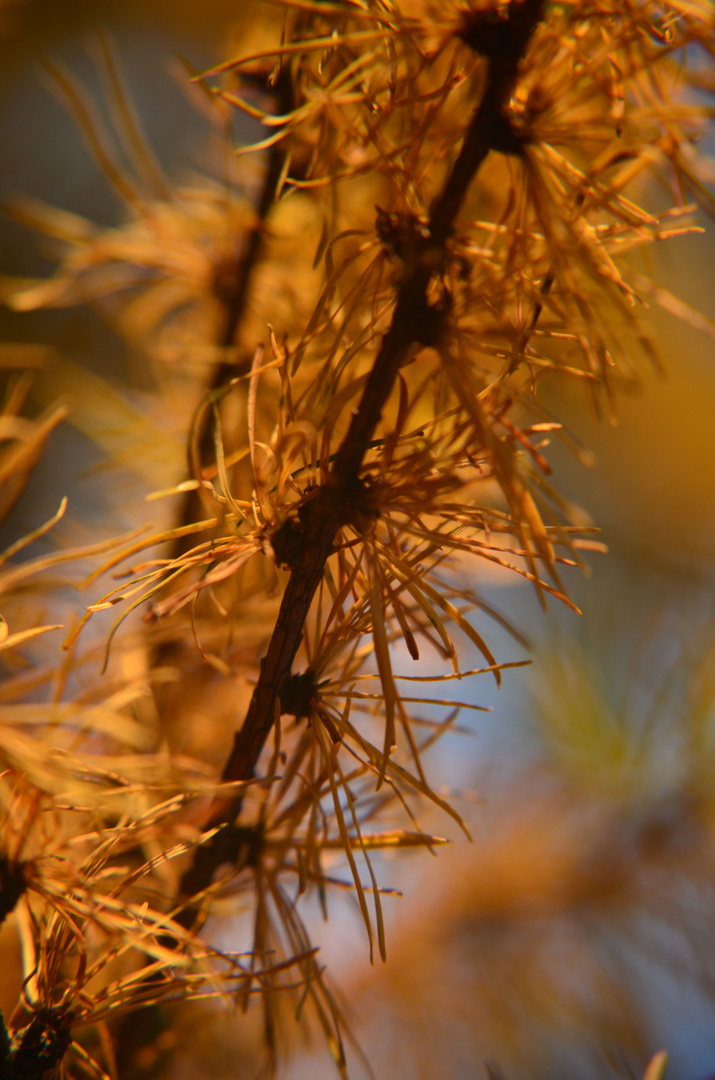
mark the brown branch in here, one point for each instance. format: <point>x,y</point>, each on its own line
<point>412,325</point>
<point>230,285</point>
<point>234,297</point>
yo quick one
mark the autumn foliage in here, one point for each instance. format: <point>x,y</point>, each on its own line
<point>349,320</point>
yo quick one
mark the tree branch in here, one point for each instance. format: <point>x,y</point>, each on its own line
<point>330,508</point>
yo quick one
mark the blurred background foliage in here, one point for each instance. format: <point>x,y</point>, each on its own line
<point>575,936</point>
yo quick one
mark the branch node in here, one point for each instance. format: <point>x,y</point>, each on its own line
<point>288,542</point>
<point>296,694</point>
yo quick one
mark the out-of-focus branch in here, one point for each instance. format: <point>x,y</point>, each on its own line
<point>231,284</point>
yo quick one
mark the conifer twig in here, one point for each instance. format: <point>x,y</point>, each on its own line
<point>414,322</point>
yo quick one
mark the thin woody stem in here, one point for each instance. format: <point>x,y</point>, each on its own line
<point>231,286</point>
<point>329,509</point>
